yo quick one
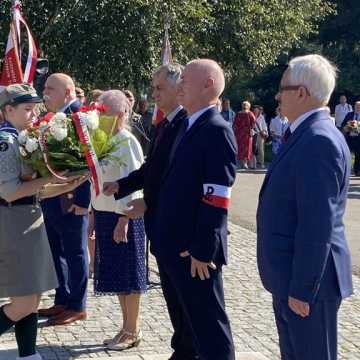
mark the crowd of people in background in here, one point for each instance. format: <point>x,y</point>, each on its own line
<point>253,130</point>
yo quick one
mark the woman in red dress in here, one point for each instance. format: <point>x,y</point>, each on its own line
<point>243,127</point>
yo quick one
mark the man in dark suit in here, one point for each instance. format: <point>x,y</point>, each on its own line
<point>303,257</point>
<point>66,223</point>
<point>352,136</point>
<point>149,177</point>
<point>190,236</point>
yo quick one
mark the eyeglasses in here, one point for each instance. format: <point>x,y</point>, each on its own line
<point>291,87</point>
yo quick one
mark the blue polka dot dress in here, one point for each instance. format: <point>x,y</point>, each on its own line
<point>119,268</point>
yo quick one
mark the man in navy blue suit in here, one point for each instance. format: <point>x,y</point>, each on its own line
<point>190,232</point>
<point>303,257</point>
<point>66,222</point>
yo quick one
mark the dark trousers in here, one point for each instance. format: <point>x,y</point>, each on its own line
<point>354,146</point>
<point>67,236</point>
<point>202,303</point>
<point>310,338</point>
<point>182,340</point>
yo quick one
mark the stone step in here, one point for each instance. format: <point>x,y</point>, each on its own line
<point>10,354</point>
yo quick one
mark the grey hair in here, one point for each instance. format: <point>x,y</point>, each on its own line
<point>314,72</point>
<point>115,101</point>
<point>173,72</point>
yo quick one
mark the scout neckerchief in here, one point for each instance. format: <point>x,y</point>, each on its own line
<point>7,127</point>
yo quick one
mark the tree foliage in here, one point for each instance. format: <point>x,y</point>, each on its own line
<point>105,43</point>
<point>339,39</point>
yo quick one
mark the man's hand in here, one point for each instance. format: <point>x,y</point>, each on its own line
<point>137,208</point>
<point>300,308</point>
<point>121,229</point>
<point>110,188</point>
<point>78,210</point>
<point>198,267</point>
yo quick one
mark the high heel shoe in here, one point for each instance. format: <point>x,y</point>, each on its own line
<point>114,339</point>
<point>126,341</point>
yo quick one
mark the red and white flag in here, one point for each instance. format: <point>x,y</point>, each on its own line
<point>12,72</point>
<point>166,58</point>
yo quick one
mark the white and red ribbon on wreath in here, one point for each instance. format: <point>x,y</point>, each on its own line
<point>91,158</point>
<point>84,137</point>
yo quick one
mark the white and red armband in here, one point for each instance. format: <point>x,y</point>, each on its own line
<point>217,195</point>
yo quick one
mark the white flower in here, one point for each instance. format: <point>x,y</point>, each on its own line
<point>31,145</point>
<point>23,135</point>
<point>59,118</point>
<point>91,119</point>
<point>59,132</point>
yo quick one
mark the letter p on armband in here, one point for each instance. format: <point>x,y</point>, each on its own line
<point>217,195</point>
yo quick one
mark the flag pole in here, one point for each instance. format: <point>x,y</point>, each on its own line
<point>16,27</point>
<point>15,39</point>
<point>166,51</point>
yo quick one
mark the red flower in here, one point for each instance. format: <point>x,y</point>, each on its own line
<point>101,108</point>
<point>46,118</point>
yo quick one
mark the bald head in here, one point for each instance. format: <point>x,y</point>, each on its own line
<point>202,84</point>
<point>63,80</point>
<point>59,91</point>
<point>211,72</point>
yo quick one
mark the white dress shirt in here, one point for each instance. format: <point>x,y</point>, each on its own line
<point>67,105</point>
<point>278,126</point>
<point>171,116</point>
<point>303,117</point>
<point>196,115</point>
<point>132,157</point>
<point>340,113</point>
<point>261,124</point>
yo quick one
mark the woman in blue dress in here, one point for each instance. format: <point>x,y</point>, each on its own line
<point>120,241</point>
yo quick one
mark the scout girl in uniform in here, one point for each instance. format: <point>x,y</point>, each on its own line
<point>26,265</point>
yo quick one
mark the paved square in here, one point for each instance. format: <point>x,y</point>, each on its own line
<point>248,305</point>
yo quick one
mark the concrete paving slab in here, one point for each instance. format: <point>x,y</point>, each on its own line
<point>11,353</point>
<point>249,307</point>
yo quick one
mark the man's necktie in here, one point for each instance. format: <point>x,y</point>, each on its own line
<point>287,134</point>
<point>161,130</point>
<point>179,137</point>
